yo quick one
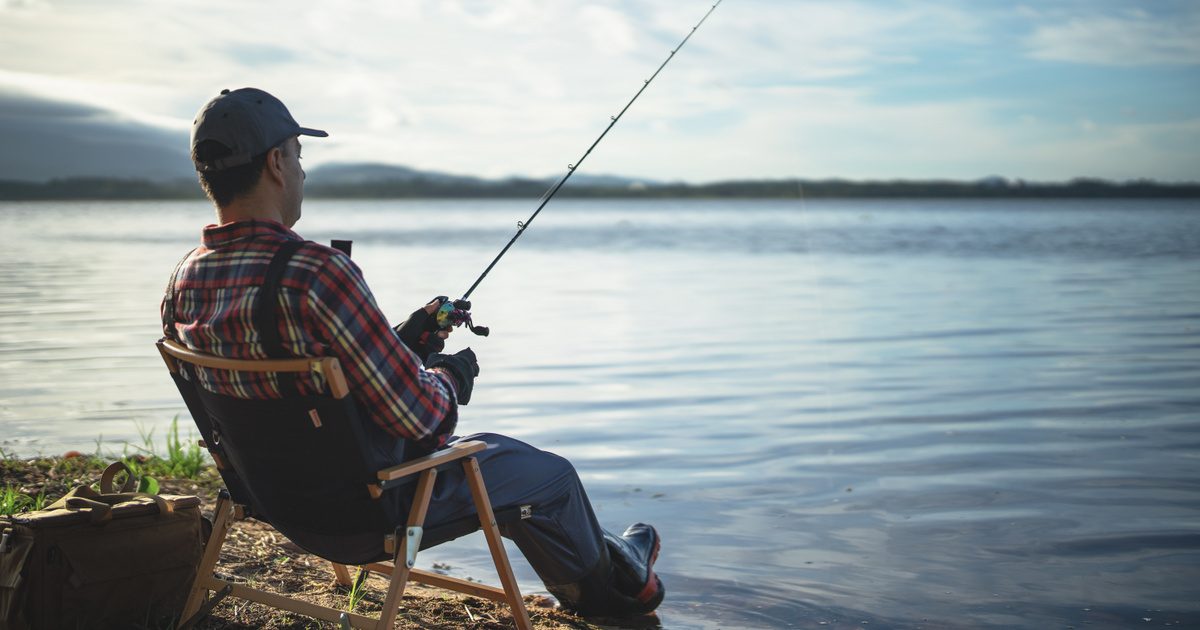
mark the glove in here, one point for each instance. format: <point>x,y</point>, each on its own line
<point>419,332</point>
<point>462,366</point>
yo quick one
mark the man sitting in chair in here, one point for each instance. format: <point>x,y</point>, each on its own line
<point>245,145</point>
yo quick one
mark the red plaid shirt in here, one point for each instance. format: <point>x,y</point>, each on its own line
<point>327,310</point>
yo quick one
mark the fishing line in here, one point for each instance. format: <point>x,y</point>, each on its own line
<point>815,284</point>
<point>457,312</point>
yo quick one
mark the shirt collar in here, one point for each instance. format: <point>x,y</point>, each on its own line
<point>226,234</point>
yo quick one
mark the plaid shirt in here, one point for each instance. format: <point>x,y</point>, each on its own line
<point>326,310</point>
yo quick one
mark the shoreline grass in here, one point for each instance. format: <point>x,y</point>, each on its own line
<point>44,479</point>
<point>13,501</point>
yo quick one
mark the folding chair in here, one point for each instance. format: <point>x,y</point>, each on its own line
<point>298,463</point>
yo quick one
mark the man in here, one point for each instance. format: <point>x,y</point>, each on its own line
<point>246,149</point>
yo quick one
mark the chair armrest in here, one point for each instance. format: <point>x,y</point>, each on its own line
<point>458,451</point>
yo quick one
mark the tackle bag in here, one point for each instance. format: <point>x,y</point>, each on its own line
<point>100,560</point>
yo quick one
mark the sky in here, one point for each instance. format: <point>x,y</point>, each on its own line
<point>1048,90</point>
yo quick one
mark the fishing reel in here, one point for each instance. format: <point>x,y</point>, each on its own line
<point>456,313</point>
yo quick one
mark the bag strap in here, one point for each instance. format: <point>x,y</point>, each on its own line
<point>106,478</point>
<point>100,505</point>
<point>168,315</point>
<point>266,316</point>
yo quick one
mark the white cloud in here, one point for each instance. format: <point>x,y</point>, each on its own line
<point>1134,38</point>
<point>16,5</point>
<point>1163,151</point>
<point>610,32</point>
<point>516,87</point>
<point>765,88</point>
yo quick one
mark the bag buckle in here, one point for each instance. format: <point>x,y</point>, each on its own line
<point>526,512</point>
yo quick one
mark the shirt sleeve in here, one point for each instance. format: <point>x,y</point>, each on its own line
<point>385,377</point>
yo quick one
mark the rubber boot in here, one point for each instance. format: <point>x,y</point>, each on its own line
<point>632,556</point>
<point>623,583</point>
<point>589,596</point>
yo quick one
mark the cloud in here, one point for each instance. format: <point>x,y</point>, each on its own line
<point>767,88</point>
<point>16,5</point>
<point>610,31</point>
<point>261,54</point>
<point>1160,150</point>
<point>1134,38</point>
<point>517,87</point>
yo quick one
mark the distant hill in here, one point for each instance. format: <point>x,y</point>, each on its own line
<point>57,150</point>
<point>367,173</point>
<point>423,186</point>
<point>604,181</point>
<point>51,149</point>
<point>366,180</point>
<point>41,139</point>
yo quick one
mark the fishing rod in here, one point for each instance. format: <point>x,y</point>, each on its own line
<point>458,312</point>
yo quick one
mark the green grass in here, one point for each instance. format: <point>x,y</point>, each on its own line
<point>183,459</point>
<point>177,457</point>
<point>13,501</point>
<point>357,591</point>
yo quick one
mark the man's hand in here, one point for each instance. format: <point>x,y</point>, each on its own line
<point>420,332</point>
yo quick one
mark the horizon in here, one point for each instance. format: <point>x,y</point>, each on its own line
<point>603,180</point>
<point>918,91</point>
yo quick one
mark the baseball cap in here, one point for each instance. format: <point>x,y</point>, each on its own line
<point>248,122</point>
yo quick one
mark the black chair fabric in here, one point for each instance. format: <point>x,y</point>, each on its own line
<point>309,482</point>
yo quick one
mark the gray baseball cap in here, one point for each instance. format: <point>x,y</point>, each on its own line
<point>249,122</point>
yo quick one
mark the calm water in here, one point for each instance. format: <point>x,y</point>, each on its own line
<point>909,414</point>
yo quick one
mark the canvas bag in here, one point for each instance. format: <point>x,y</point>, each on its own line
<point>99,559</point>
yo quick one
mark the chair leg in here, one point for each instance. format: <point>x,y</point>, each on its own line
<point>341,574</point>
<point>487,519</point>
<point>222,516</point>
<point>416,518</point>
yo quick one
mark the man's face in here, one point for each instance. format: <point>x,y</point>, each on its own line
<point>294,182</point>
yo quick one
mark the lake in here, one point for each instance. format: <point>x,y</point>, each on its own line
<point>884,414</point>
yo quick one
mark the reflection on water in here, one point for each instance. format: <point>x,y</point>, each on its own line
<point>910,414</point>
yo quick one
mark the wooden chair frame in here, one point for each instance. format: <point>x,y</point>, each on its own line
<point>403,548</point>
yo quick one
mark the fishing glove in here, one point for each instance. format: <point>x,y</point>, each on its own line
<point>463,368</point>
<point>419,332</point>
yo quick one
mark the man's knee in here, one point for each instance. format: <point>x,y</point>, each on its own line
<point>519,459</point>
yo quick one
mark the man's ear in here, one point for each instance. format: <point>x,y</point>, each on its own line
<point>274,167</point>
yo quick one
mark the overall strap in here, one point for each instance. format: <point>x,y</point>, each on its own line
<point>266,317</point>
<point>168,315</point>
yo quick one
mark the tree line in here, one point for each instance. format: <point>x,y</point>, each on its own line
<point>124,189</point>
